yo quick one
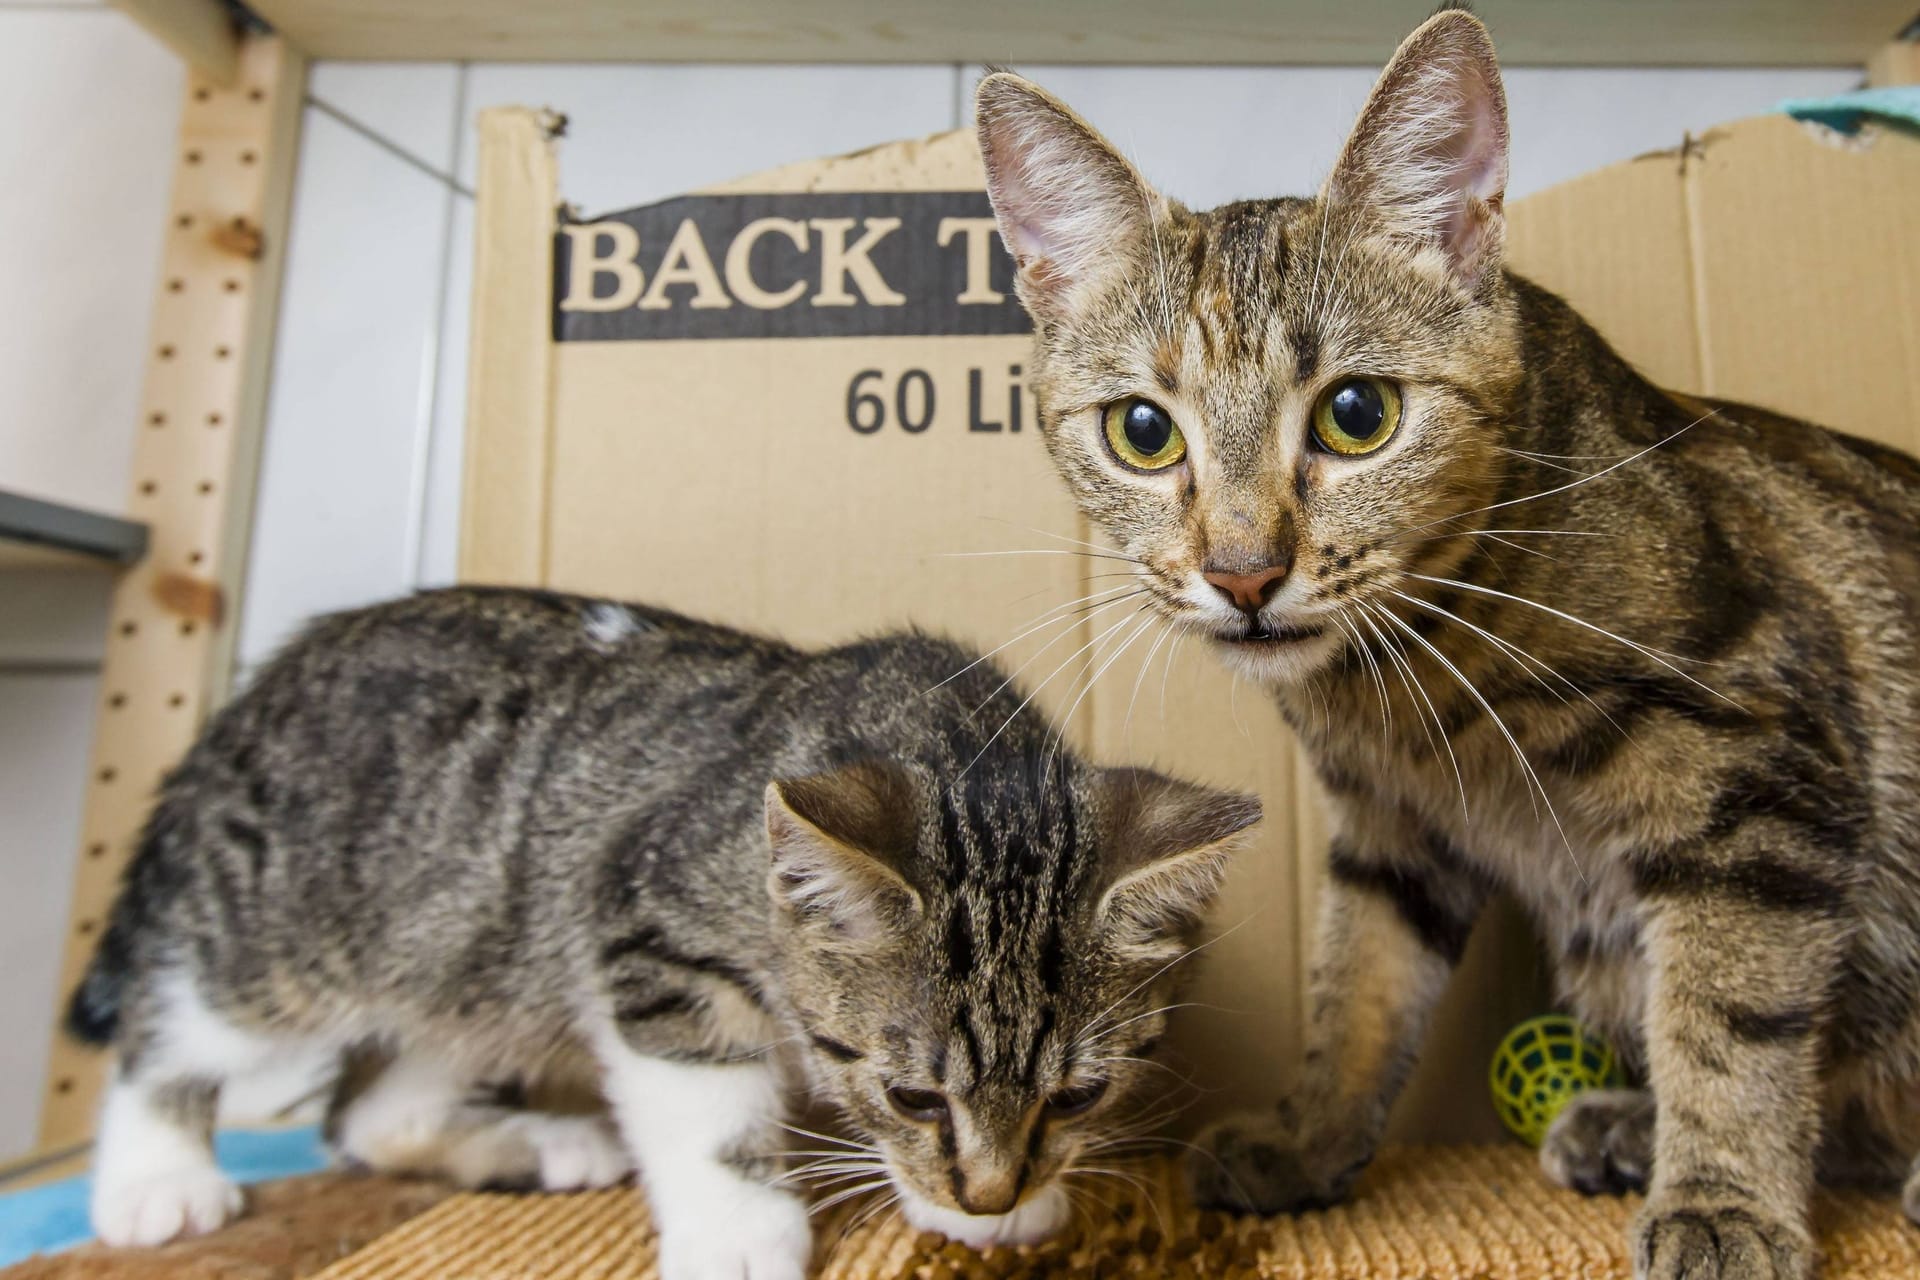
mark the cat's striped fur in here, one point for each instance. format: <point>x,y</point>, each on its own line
<point>498,833</point>
<point>1646,662</point>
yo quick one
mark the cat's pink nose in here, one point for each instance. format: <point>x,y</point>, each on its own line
<point>1248,592</point>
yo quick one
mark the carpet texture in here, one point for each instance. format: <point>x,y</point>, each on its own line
<point>292,1229</point>
<point>1474,1213</point>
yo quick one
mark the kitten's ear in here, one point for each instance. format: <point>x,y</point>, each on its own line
<point>1429,154</point>
<point>1070,206</point>
<point>1168,843</point>
<point>839,840</point>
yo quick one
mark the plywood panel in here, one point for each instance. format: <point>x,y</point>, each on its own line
<point>1668,32</point>
<point>171,631</point>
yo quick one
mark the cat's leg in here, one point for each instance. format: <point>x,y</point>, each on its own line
<point>1394,918</point>
<point>1744,939</point>
<point>422,1115</point>
<point>1602,1143</point>
<point>706,1137</point>
<point>1910,1194</point>
<point>154,1176</point>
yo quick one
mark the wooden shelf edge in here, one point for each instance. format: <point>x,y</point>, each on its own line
<point>58,528</point>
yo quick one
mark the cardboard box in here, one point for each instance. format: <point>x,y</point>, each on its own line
<point>794,403</point>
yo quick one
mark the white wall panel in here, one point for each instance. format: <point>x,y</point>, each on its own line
<point>1569,121</point>
<point>639,133</point>
<point>91,105</point>
<point>410,105</point>
<point>1212,134</point>
<point>45,725</point>
<point>343,463</point>
<point>439,533</point>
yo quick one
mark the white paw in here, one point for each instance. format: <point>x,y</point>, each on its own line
<point>1038,1217</point>
<point>577,1152</point>
<point>153,1208</point>
<point>740,1232</point>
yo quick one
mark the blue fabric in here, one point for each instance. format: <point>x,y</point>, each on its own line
<point>48,1218</point>
<point>1895,104</point>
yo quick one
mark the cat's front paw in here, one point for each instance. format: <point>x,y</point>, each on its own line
<point>1677,1240</point>
<point>577,1152</point>
<point>740,1232</point>
<point>1260,1162</point>
<point>1602,1143</point>
<point>163,1204</point>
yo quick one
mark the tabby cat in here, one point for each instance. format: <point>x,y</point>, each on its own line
<point>1644,661</point>
<point>502,834</point>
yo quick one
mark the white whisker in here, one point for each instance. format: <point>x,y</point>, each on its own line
<point>1411,682</point>
<point>1340,619</point>
<point>1093,1026</point>
<point>1088,615</point>
<point>1061,537</point>
<point>1060,728</point>
<point>1655,654</point>
<point>1072,609</point>
<point>1519,755</point>
<point>826,1137</point>
<point>1033,551</point>
<point>1146,665</point>
<point>1570,485</point>
<point>1167,670</point>
<point>1014,714</point>
<point>848,1193</point>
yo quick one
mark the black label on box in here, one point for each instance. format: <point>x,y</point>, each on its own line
<point>803,265</point>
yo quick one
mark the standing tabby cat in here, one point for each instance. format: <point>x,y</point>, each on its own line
<point>505,832</point>
<point>1333,434</point>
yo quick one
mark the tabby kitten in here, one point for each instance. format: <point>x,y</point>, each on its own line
<point>1346,445</point>
<point>509,833</point>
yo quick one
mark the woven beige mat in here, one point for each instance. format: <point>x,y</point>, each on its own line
<point>292,1228</point>
<point>1459,1213</point>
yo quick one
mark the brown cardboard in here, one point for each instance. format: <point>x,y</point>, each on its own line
<point>720,475</point>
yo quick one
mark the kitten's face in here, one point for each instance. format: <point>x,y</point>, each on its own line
<point>1276,407</point>
<point>984,1013</point>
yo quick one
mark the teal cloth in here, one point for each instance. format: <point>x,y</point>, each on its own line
<point>1897,105</point>
<point>52,1217</point>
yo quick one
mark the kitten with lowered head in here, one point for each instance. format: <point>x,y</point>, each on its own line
<point>503,833</point>
<point>1642,660</point>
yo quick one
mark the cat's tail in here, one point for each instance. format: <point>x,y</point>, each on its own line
<point>93,1012</point>
<point>95,1009</point>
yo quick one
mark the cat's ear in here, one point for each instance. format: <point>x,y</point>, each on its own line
<point>1071,208</point>
<point>1428,157</point>
<point>1167,847</point>
<point>839,841</point>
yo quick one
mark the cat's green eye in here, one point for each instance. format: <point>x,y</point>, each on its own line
<point>1356,416</point>
<point>1081,1097</point>
<point>917,1104</point>
<point>1143,435</point>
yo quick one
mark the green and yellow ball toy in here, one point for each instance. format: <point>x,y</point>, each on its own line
<point>1539,1068</point>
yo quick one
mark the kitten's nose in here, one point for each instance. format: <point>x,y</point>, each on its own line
<point>977,1196</point>
<point>987,1186</point>
<point>1249,592</point>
